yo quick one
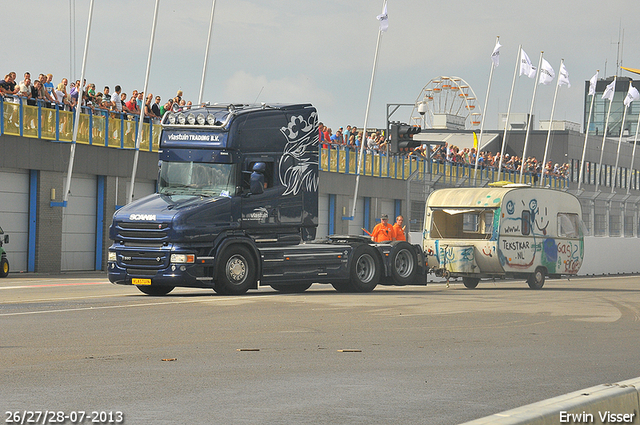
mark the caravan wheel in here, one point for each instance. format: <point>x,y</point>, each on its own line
<point>536,280</point>
<point>470,282</point>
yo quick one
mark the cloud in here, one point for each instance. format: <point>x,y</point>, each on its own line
<point>247,88</point>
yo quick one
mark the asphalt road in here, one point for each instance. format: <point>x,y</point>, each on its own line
<point>432,355</point>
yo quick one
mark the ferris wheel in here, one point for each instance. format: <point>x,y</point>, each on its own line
<point>450,99</point>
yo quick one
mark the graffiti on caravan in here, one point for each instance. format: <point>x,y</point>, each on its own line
<point>199,138</point>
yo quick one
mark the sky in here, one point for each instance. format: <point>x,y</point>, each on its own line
<point>322,51</point>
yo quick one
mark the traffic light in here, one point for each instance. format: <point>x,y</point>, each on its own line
<point>402,137</point>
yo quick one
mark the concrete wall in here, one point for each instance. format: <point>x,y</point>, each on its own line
<point>51,160</point>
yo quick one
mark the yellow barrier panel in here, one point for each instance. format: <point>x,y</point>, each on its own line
<point>48,123</point>
<point>144,143</point>
<point>83,129</point>
<point>98,137</point>
<point>65,126</point>
<point>30,121</point>
<point>342,163</point>
<point>129,136</point>
<point>115,129</point>
<point>333,166</point>
<point>11,118</point>
<point>353,157</point>
<point>156,137</point>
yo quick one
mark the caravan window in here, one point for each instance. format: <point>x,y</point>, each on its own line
<point>526,222</point>
<point>461,223</point>
<point>469,222</point>
<point>568,225</point>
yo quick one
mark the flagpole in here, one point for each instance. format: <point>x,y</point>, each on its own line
<point>206,54</point>
<point>506,125</point>
<point>141,121</point>
<point>615,168</point>
<point>586,136</point>
<point>72,153</point>
<point>484,111</point>
<point>604,136</point>
<point>366,118</point>
<point>633,155</point>
<point>553,108</point>
<point>533,100</point>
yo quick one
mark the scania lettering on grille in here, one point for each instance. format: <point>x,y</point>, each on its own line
<point>142,217</point>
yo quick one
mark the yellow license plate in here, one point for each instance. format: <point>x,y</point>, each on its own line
<point>141,281</point>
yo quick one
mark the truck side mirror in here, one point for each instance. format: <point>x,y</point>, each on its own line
<point>6,238</point>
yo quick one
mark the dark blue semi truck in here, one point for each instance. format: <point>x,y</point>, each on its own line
<point>237,207</point>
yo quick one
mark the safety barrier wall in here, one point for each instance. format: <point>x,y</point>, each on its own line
<point>343,160</point>
<point>97,128</point>
<point>602,404</point>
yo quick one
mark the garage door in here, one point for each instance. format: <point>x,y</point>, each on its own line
<point>14,216</point>
<point>142,188</point>
<point>79,225</point>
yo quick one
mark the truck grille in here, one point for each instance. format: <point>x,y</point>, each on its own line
<point>145,260</point>
<point>143,232</point>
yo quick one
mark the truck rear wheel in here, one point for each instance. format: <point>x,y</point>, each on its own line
<point>536,280</point>
<point>4,267</point>
<point>470,282</point>
<point>291,289</point>
<point>365,269</point>
<point>403,263</point>
<point>236,271</point>
<point>155,290</point>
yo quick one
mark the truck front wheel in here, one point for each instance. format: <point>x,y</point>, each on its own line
<point>4,267</point>
<point>365,269</point>
<point>236,271</point>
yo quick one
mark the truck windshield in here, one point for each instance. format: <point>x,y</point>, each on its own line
<point>197,179</point>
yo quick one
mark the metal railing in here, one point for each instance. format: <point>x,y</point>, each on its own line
<point>97,127</point>
<point>343,160</point>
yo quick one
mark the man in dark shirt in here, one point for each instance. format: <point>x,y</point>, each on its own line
<point>155,108</point>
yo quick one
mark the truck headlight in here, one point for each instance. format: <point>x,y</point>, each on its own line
<point>183,258</point>
<point>112,256</point>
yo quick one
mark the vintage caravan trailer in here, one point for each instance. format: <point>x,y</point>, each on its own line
<point>511,230</point>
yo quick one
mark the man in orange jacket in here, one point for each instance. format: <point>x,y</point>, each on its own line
<point>398,229</point>
<point>383,232</point>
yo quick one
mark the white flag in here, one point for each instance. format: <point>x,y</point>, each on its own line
<point>547,74</point>
<point>610,91</point>
<point>563,78</point>
<point>526,67</point>
<point>631,95</point>
<point>495,56</point>
<point>384,19</point>
<point>592,84</point>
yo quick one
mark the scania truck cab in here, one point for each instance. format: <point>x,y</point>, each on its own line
<point>237,207</point>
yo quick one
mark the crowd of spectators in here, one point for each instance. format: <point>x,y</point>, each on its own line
<point>65,96</point>
<point>376,142</point>
<point>118,102</point>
